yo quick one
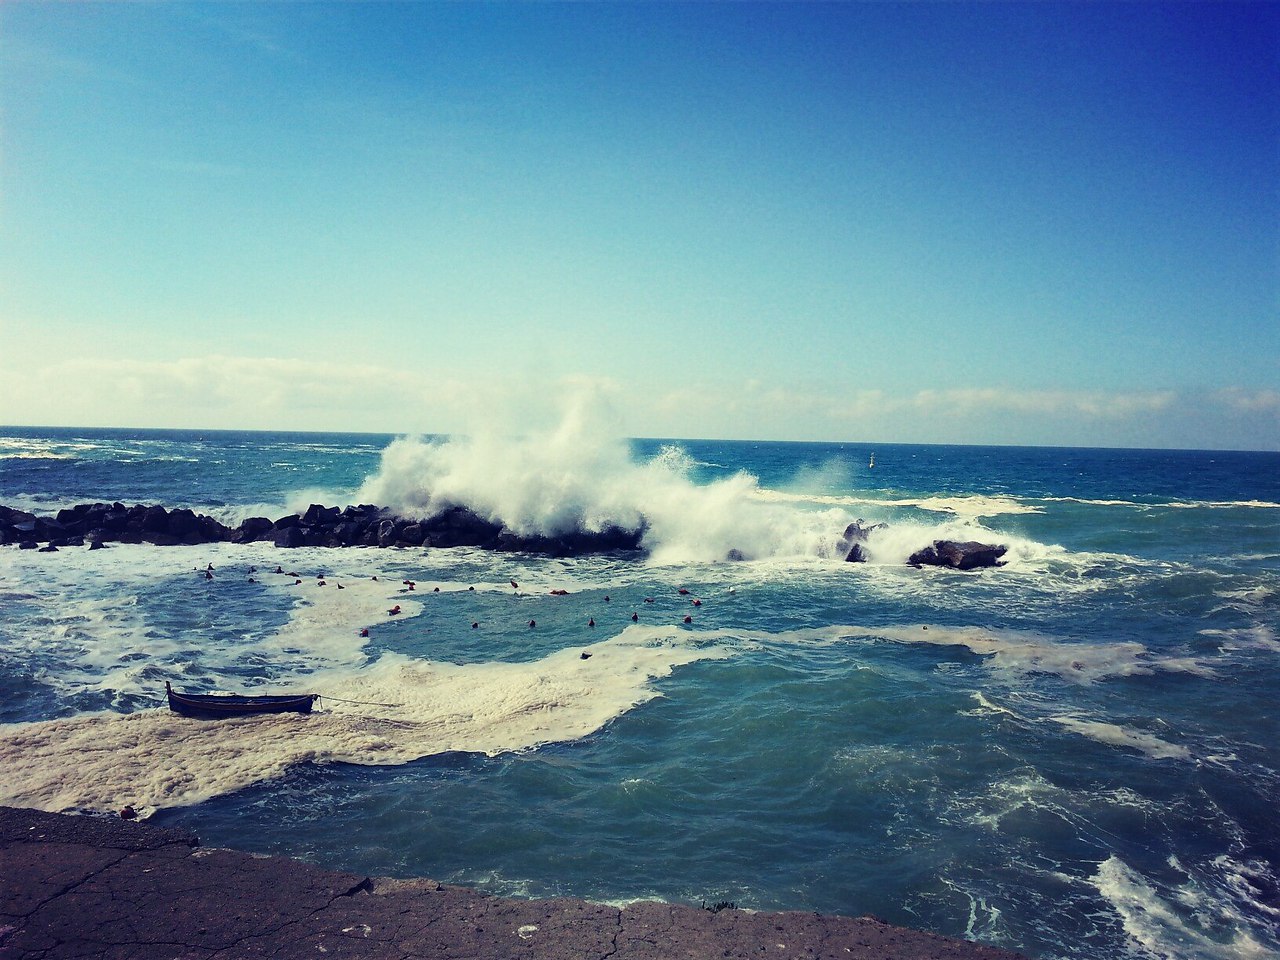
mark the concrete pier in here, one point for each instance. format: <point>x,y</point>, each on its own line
<point>111,889</point>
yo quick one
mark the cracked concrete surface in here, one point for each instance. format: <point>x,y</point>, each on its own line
<point>88,887</point>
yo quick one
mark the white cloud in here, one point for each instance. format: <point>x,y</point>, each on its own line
<point>273,393</point>
<point>1249,401</point>
<point>1052,403</point>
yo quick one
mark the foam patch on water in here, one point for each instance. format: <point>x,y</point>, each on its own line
<point>1202,919</point>
<point>967,507</point>
<point>1126,737</point>
<point>1023,652</point>
<point>410,709</point>
<point>1169,504</point>
<point>1259,636</point>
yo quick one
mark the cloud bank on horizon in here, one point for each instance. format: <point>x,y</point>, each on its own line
<point>960,223</point>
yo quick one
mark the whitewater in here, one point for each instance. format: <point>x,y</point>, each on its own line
<point>1072,754</point>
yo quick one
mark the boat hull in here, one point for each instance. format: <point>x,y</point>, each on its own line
<point>221,706</point>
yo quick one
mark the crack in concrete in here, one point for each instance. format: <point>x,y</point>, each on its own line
<point>69,888</point>
<point>617,932</point>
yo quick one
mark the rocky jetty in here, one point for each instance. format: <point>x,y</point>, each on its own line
<point>96,524</point>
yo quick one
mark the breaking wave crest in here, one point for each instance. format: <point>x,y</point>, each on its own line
<point>579,477</point>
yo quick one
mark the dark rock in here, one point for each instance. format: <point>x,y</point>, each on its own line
<point>854,538</point>
<point>47,529</point>
<point>115,519</point>
<point>255,528</point>
<point>184,525</point>
<point>968,555</point>
<point>291,536</point>
<point>349,532</point>
<point>412,535</point>
<point>318,514</point>
<point>460,527</point>
<point>155,520</point>
<point>288,520</point>
<point>387,533</point>
<point>28,545</point>
<point>8,516</point>
<point>210,530</point>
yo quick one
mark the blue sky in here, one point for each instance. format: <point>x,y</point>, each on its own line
<point>971,223</point>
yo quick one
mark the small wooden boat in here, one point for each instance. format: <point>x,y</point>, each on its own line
<point>214,706</point>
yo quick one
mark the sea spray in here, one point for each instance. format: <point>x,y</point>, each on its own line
<point>575,479</point>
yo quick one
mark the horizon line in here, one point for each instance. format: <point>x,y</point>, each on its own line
<point>861,443</point>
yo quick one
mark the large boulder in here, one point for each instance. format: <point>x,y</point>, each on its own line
<point>460,527</point>
<point>155,520</point>
<point>292,536</point>
<point>318,514</point>
<point>184,525</point>
<point>254,528</point>
<point>968,555</point>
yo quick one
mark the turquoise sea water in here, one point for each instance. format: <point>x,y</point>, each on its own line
<point>1074,755</point>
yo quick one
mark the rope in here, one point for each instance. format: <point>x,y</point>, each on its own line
<point>360,703</point>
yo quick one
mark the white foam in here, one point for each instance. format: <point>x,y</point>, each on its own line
<point>1127,737</point>
<point>1023,652</point>
<point>1196,923</point>
<point>1261,636</point>
<point>153,758</point>
<point>1169,504</point>
<point>968,507</point>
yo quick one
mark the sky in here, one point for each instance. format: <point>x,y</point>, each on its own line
<point>1023,223</point>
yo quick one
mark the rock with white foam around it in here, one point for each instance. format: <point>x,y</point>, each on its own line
<point>855,538</point>
<point>969,555</point>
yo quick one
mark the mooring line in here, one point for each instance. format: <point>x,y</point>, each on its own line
<point>362,703</point>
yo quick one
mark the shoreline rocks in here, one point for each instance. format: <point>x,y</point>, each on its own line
<point>97,525</point>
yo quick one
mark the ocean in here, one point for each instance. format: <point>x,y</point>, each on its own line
<point>1074,755</point>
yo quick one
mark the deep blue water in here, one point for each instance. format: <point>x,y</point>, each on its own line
<point>1073,755</point>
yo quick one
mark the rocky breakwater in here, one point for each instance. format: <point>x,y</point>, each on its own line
<point>96,524</point>
<point>958,555</point>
